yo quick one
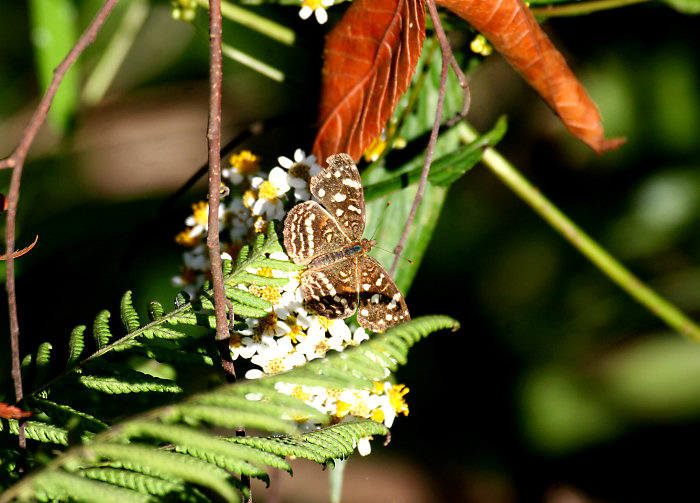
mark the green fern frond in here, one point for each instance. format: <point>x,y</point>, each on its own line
<point>321,446</point>
<point>76,344</point>
<point>64,414</point>
<point>59,485</point>
<point>142,483</point>
<point>42,363</point>
<point>173,464</point>
<point>243,297</point>
<point>224,454</point>
<point>130,317</point>
<point>100,329</point>
<point>126,382</point>
<point>36,430</point>
<point>155,310</point>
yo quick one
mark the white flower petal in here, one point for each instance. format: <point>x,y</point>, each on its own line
<point>305,12</point>
<point>321,15</point>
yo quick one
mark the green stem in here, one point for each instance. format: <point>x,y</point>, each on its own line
<point>113,56</point>
<point>263,25</point>
<point>670,314</point>
<point>581,8</point>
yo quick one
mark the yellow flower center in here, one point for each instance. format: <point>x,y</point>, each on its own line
<point>342,408</point>
<point>274,366</point>
<point>396,394</point>
<point>265,271</point>
<point>245,162</point>
<point>322,347</point>
<point>267,190</point>
<point>296,331</point>
<point>267,324</point>
<point>325,322</point>
<point>377,415</point>
<point>299,170</point>
<point>299,393</point>
<point>200,212</point>
<point>183,238</point>
<point>313,4</point>
<point>234,340</point>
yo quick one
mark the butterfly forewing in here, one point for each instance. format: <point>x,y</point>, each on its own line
<point>309,232</point>
<point>339,188</point>
<point>331,291</point>
<point>381,303</point>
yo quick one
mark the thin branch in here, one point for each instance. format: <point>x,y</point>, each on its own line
<point>430,150</point>
<point>214,148</point>
<point>16,162</point>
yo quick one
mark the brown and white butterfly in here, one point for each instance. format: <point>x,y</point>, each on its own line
<point>340,277</point>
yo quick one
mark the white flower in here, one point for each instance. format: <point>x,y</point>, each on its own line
<point>278,357</point>
<point>300,170</point>
<point>317,7</point>
<point>270,192</point>
<point>243,165</point>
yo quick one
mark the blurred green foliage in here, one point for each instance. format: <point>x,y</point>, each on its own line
<point>564,379</point>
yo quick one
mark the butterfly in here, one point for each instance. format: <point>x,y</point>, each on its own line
<point>340,278</point>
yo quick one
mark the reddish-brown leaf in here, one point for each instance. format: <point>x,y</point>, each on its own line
<point>370,57</point>
<point>12,412</point>
<point>511,28</point>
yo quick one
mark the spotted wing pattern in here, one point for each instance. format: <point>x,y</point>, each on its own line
<point>381,303</point>
<point>339,188</point>
<point>339,275</point>
<point>310,232</point>
<point>331,291</point>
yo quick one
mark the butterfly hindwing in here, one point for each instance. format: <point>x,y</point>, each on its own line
<point>331,291</point>
<point>381,303</point>
<point>339,189</point>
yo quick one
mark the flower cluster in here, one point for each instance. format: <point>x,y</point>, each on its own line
<point>289,336</point>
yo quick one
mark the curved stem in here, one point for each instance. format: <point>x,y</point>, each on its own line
<point>617,272</point>
<point>581,8</point>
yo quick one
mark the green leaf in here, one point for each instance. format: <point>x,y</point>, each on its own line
<point>54,32</point>
<point>100,329</point>
<point>449,168</point>
<point>58,485</point>
<point>685,6</point>
<point>130,317</point>
<point>170,463</point>
<point>76,344</point>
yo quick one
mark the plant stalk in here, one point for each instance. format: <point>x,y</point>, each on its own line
<point>610,266</point>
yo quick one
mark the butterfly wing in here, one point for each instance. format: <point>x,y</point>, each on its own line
<point>381,303</point>
<point>309,232</point>
<point>331,290</point>
<point>339,189</point>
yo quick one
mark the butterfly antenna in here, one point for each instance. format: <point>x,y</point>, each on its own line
<point>379,225</point>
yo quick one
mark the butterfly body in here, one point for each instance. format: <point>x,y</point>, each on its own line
<point>340,277</point>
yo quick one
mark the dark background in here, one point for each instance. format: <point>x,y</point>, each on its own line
<point>557,388</point>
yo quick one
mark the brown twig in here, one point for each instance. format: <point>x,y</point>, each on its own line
<point>447,58</point>
<point>16,162</point>
<point>214,144</point>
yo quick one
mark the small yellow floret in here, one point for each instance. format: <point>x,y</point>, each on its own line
<point>267,190</point>
<point>200,212</point>
<point>396,394</point>
<point>183,238</point>
<point>245,162</point>
<point>481,46</point>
